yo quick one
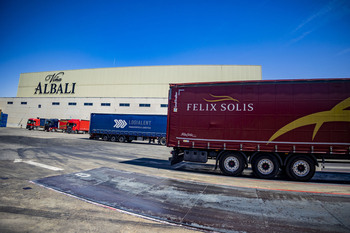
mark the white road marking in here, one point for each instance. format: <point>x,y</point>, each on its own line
<point>38,165</point>
<point>120,158</point>
<point>83,175</point>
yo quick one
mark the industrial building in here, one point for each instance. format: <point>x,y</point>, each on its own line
<point>75,94</point>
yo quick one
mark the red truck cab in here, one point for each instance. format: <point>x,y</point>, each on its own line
<point>77,126</point>
<point>33,123</point>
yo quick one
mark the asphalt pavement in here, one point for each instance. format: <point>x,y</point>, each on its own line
<point>58,182</point>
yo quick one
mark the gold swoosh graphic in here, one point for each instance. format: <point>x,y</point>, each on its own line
<point>222,98</point>
<point>336,114</point>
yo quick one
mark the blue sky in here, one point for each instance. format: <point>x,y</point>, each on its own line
<point>290,39</point>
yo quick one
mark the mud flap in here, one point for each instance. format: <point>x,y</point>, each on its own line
<point>176,158</point>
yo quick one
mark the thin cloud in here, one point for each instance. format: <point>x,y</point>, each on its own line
<point>295,40</point>
<point>343,52</point>
<point>319,14</point>
<point>331,11</point>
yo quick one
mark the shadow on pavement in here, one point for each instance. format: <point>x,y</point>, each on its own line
<point>205,207</point>
<point>320,177</point>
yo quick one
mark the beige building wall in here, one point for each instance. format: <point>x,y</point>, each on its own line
<point>147,81</point>
<point>143,89</point>
<point>19,110</point>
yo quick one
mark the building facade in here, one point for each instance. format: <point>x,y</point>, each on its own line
<point>75,94</point>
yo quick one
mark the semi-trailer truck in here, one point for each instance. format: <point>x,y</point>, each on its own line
<point>33,123</point>
<point>274,126</point>
<point>128,127</point>
<point>51,125</point>
<point>78,126</point>
<point>42,123</point>
<point>62,124</point>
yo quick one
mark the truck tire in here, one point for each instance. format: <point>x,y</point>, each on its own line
<point>121,138</point>
<point>105,137</point>
<point>300,168</point>
<point>265,166</point>
<point>162,141</point>
<point>113,138</point>
<point>232,163</point>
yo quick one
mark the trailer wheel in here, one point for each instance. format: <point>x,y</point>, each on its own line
<point>113,138</point>
<point>265,166</point>
<point>162,141</point>
<point>232,164</point>
<point>300,168</point>
<point>121,139</point>
<point>105,137</point>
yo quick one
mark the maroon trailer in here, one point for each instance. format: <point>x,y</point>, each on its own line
<point>273,125</point>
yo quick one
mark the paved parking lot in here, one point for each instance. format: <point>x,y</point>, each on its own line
<point>38,170</point>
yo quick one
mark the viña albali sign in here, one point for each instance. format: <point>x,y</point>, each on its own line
<point>54,85</point>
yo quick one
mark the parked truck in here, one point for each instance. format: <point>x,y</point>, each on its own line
<point>128,127</point>
<point>51,125</point>
<point>42,123</point>
<point>33,123</point>
<point>62,124</point>
<point>274,126</point>
<point>78,126</point>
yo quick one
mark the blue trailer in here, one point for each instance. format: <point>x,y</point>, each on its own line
<point>42,123</point>
<point>51,124</point>
<point>128,127</point>
<point>3,119</point>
